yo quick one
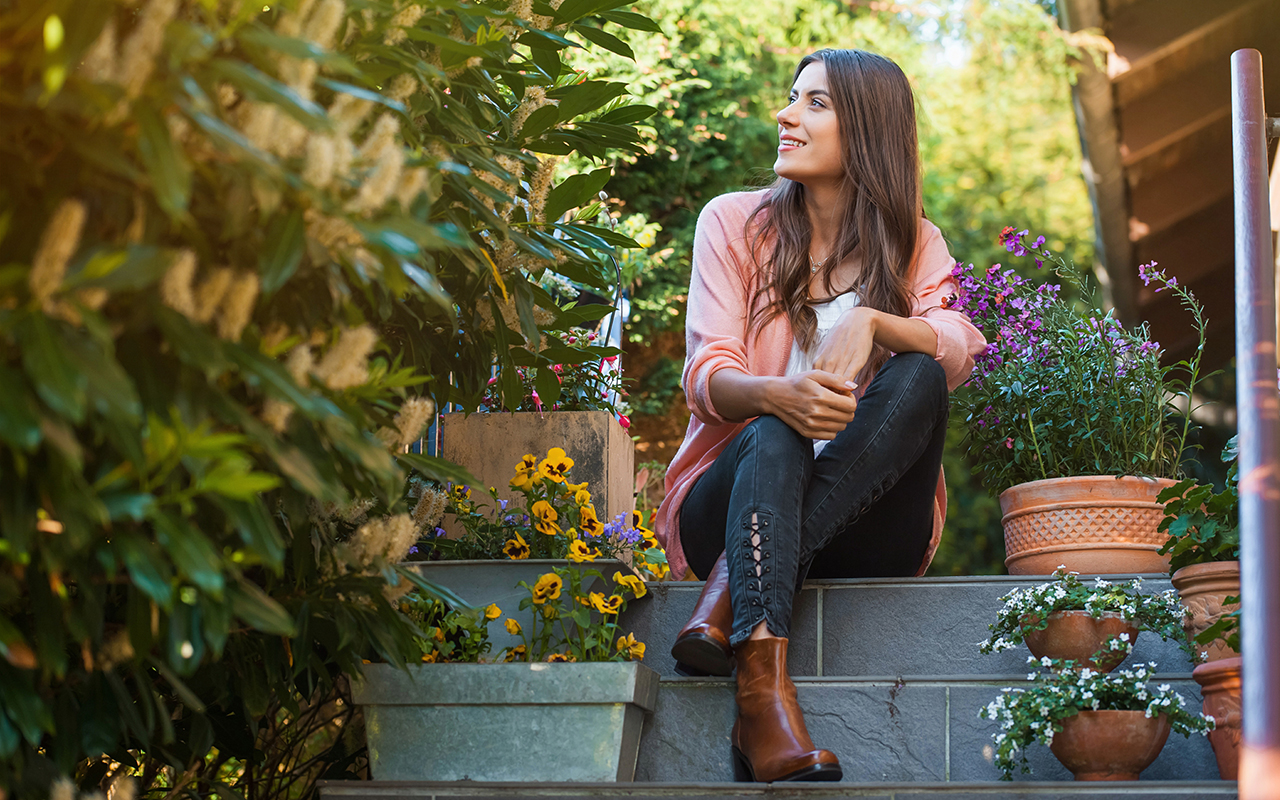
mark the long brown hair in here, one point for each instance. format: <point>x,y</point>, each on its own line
<point>879,200</point>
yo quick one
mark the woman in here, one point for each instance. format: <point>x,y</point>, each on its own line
<point>819,361</point>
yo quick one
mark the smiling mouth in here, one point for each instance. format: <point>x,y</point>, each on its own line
<point>791,143</point>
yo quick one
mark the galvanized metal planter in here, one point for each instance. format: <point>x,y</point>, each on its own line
<point>505,722</point>
<point>482,582</point>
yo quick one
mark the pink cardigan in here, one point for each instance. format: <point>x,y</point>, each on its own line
<point>716,339</point>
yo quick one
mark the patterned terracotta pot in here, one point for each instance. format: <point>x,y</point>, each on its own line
<point>1220,686</point>
<point>1077,636</point>
<point>1109,745</point>
<point>1093,524</point>
<point>1203,589</point>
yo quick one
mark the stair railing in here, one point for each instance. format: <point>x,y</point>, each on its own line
<point>1258,405</point>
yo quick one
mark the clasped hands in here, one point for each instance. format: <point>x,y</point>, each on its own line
<point>819,403</point>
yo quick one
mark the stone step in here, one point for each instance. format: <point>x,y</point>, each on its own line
<point>888,729</point>
<point>883,626</point>
<point>1050,790</point>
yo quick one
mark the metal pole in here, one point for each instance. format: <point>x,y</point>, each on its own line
<point>1259,408</point>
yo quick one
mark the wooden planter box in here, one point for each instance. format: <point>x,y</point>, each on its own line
<point>490,446</point>
<point>505,722</point>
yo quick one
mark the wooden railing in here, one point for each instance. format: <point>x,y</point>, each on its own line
<point>1259,434</point>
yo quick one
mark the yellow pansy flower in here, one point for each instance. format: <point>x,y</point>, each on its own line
<point>460,493</point>
<point>560,658</point>
<point>516,653</point>
<point>492,611</point>
<point>513,627</point>
<point>555,465</point>
<point>582,497</point>
<point>633,583</point>
<point>547,588</point>
<point>549,528</point>
<point>544,511</point>
<point>579,551</point>
<point>591,525</point>
<point>516,549</point>
<point>606,605</point>
<point>550,612</point>
<point>437,634</point>
<point>429,658</point>
<point>524,472</point>
<point>636,519</point>
<point>628,646</point>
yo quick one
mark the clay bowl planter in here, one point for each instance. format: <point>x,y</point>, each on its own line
<point>1094,524</point>
<point>1077,636</point>
<point>1109,745</point>
<point>1203,589</point>
<point>1220,686</point>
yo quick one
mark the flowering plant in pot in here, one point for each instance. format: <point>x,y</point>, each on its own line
<point>575,385</point>
<point>559,677</point>
<point>1102,726</point>
<point>1035,429</point>
<point>1067,619</point>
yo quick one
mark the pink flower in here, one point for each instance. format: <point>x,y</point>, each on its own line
<point>610,359</point>
<point>623,421</point>
<point>1009,443</point>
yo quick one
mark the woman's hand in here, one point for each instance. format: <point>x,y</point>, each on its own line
<point>847,347</point>
<point>815,404</point>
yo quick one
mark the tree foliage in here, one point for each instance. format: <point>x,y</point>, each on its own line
<point>242,248</point>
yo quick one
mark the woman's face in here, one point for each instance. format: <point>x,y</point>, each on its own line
<point>809,150</point>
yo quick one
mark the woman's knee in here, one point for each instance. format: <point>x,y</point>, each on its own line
<point>927,377</point>
<point>775,438</point>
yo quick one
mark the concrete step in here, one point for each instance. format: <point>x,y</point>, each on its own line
<point>1053,790</point>
<point>888,729</point>
<point>883,626</point>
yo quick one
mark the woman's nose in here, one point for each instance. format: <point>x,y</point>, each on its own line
<point>784,116</point>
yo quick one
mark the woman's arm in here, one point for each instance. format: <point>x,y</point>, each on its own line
<point>815,404</point>
<point>847,347</point>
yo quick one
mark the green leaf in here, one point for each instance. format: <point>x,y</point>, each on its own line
<point>627,115</point>
<point>539,121</point>
<point>260,36</point>
<point>164,160</point>
<point>136,267</point>
<point>191,551</point>
<point>233,481</point>
<point>19,419</point>
<point>259,610</point>
<point>57,381</point>
<point>586,97</point>
<point>438,469</point>
<point>256,527</point>
<point>575,191</point>
<point>606,40</point>
<point>147,567</point>
<point>260,86</point>
<point>432,286</point>
<point>548,385</point>
<point>629,19</point>
<point>441,593</point>
<point>361,93</point>
<point>283,251</point>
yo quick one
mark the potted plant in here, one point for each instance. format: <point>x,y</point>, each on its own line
<point>551,523</point>
<point>1066,619</point>
<point>1101,726</point>
<point>1220,687</point>
<point>576,403</point>
<point>1070,418</point>
<point>1204,552</point>
<point>572,695</point>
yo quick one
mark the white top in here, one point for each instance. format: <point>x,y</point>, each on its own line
<point>829,313</point>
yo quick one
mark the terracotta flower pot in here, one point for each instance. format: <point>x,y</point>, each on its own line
<point>1093,524</point>
<point>1109,745</point>
<point>1076,635</point>
<point>1220,686</point>
<point>1202,589</point>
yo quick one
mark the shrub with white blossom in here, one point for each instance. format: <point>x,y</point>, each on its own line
<point>1028,609</point>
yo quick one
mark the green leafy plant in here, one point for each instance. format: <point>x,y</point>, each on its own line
<point>1028,609</point>
<point>1035,714</point>
<point>1061,391</point>
<point>587,386</point>
<point>449,634</point>
<point>242,249</point>
<point>563,596</point>
<point>1203,525</point>
<point>556,519</point>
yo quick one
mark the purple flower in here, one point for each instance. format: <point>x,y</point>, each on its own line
<point>439,532</point>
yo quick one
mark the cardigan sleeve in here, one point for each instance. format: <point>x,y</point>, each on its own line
<point>958,340</point>
<point>716,322</point>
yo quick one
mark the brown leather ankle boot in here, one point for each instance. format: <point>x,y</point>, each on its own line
<point>770,740</point>
<point>702,646</point>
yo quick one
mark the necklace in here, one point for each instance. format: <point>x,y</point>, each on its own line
<point>815,265</point>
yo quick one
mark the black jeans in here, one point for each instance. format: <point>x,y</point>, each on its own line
<point>862,508</point>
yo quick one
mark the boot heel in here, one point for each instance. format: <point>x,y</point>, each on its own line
<point>742,772</point>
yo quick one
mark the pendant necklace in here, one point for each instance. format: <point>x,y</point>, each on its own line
<point>814,265</point>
